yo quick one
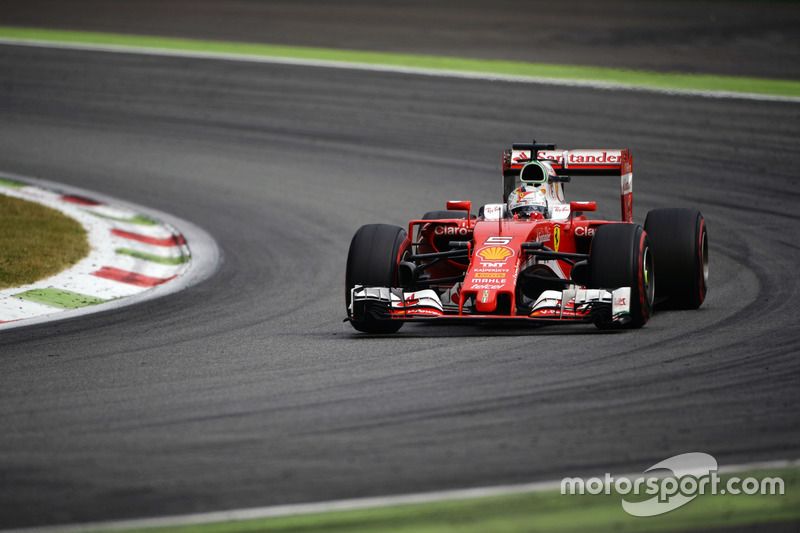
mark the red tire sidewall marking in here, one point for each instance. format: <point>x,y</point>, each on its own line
<point>700,261</point>
<point>640,267</point>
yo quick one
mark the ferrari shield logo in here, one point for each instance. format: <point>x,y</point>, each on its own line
<point>556,237</point>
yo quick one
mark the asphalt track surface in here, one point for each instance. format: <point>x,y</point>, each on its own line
<point>248,390</point>
<point>757,39</point>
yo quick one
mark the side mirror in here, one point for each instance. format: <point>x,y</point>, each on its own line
<point>460,205</point>
<point>582,206</point>
<point>494,211</point>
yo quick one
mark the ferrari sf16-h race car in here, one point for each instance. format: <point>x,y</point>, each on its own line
<point>533,258</point>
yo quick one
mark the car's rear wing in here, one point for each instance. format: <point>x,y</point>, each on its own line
<point>569,163</point>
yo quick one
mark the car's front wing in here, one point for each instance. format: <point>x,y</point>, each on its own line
<point>570,305</point>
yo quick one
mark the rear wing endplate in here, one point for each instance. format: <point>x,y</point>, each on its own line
<point>599,162</point>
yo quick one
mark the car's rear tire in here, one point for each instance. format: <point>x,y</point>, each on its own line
<point>679,241</point>
<point>372,261</point>
<point>620,256</point>
<point>439,215</point>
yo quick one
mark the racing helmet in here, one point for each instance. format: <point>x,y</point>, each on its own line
<point>528,202</point>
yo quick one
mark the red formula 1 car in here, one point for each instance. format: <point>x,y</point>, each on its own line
<point>533,258</point>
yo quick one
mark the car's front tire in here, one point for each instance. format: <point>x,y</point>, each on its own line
<point>620,256</point>
<point>372,261</point>
<point>680,246</point>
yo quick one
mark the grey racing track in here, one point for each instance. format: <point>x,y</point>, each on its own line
<point>248,390</point>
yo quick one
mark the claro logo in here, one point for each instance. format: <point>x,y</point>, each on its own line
<point>450,230</point>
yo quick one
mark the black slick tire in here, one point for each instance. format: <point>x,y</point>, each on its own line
<point>620,256</point>
<point>679,241</point>
<point>372,261</point>
<point>443,215</point>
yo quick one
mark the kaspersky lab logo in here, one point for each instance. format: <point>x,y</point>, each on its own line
<point>690,475</point>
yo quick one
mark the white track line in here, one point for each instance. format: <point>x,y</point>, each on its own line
<point>354,504</point>
<point>593,84</point>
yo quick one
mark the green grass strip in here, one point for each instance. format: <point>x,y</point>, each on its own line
<point>12,184</point>
<point>542,511</point>
<point>36,241</point>
<point>62,299</point>
<point>141,220</point>
<point>154,258</point>
<point>674,81</point>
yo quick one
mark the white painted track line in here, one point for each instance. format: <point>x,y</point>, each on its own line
<point>592,84</point>
<point>356,504</point>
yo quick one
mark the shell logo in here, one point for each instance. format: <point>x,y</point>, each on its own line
<point>495,253</point>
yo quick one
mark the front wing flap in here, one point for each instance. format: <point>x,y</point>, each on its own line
<point>570,305</point>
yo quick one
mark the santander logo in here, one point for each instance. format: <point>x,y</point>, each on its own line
<point>585,157</point>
